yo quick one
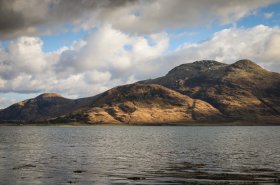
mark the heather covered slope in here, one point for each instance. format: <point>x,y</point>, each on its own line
<point>242,90</point>
<point>138,103</point>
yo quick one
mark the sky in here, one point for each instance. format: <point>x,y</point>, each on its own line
<point>82,48</point>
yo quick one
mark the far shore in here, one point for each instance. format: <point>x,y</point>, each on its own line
<point>235,123</point>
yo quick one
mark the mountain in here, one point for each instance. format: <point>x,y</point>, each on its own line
<point>138,103</point>
<point>202,91</point>
<point>241,91</point>
<point>41,108</point>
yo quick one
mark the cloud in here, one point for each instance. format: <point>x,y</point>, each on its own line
<point>260,44</point>
<point>268,15</point>
<point>111,50</point>
<point>108,57</point>
<point>154,16</point>
<point>105,58</point>
<point>16,59</point>
<point>5,102</point>
<point>34,17</point>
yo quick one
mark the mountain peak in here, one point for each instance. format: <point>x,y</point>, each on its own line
<point>206,62</point>
<point>246,64</point>
<point>49,95</point>
<point>195,68</point>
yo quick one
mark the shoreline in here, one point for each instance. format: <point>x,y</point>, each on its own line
<point>237,123</point>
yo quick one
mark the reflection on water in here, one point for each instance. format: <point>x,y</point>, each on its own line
<point>139,155</point>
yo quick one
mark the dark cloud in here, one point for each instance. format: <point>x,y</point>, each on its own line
<point>35,17</point>
<point>32,17</point>
<point>9,18</point>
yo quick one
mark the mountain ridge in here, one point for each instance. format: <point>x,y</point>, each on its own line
<point>229,88</point>
<point>204,90</point>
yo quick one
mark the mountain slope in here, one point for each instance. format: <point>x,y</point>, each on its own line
<point>43,107</point>
<point>242,90</point>
<point>200,91</point>
<point>138,103</point>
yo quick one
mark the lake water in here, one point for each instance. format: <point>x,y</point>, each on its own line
<point>139,155</point>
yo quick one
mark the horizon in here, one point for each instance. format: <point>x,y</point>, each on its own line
<point>80,49</point>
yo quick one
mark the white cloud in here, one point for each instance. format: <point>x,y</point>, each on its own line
<point>25,50</point>
<point>97,77</point>
<point>22,52</point>
<point>268,15</point>
<point>109,57</point>
<point>107,50</point>
<point>260,44</point>
<point>272,47</point>
<point>106,58</point>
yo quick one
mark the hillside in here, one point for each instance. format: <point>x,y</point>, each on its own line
<point>40,108</point>
<point>202,91</point>
<point>138,103</point>
<point>241,91</point>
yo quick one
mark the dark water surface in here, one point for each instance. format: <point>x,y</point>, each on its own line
<point>139,155</point>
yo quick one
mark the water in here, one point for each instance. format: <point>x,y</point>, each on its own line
<point>139,155</point>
